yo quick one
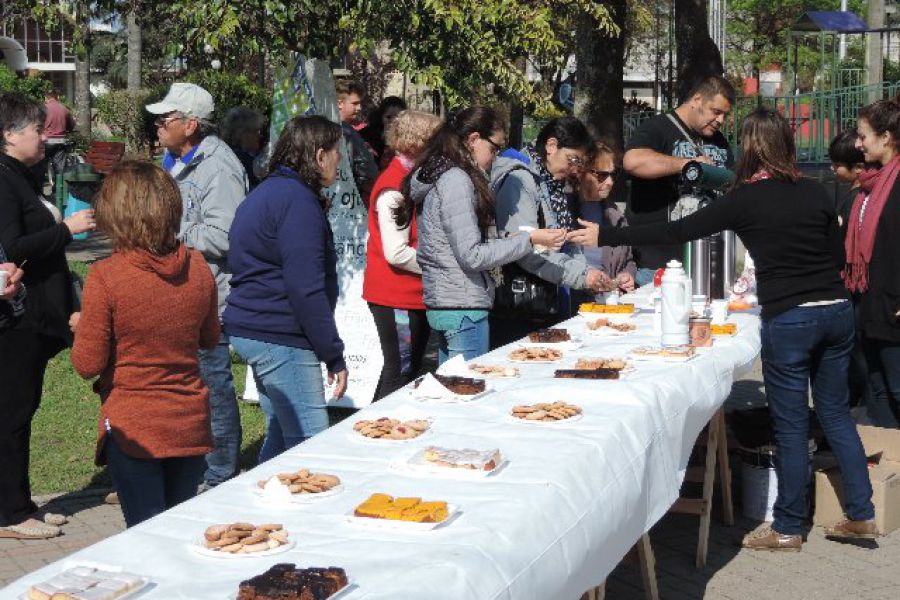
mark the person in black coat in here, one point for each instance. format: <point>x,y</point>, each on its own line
<point>29,232</point>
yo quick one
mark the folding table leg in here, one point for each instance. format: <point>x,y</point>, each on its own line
<point>709,480</point>
<point>724,470</point>
<point>648,567</point>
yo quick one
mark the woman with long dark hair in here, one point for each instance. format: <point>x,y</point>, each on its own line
<point>284,285</point>
<point>458,246</point>
<point>873,258</point>
<point>789,225</point>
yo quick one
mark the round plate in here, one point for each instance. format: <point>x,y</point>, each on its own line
<point>301,498</point>
<point>577,417</point>
<point>200,548</point>
<point>358,437</point>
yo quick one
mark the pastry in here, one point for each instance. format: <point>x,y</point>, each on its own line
<point>535,354</point>
<point>549,336</point>
<point>85,583</point>
<point>383,506</point>
<point>494,370</point>
<point>464,386</point>
<point>724,329</point>
<point>286,582</point>
<point>556,411</point>
<point>590,364</point>
<point>467,458</point>
<point>303,481</point>
<point>245,538</point>
<point>586,373</point>
<point>664,351</point>
<point>391,429</point>
<point>606,324</point>
<point>610,309</point>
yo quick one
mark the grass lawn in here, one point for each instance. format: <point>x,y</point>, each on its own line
<point>64,430</point>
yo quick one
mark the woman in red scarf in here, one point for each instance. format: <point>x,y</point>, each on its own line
<point>873,258</point>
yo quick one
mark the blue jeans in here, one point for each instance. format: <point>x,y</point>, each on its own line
<point>644,276</point>
<point>471,340</point>
<point>883,363</point>
<point>291,393</point>
<point>215,369</point>
<point>147,487</point>
<point>798,346</point>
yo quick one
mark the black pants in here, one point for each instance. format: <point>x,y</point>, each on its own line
<point>392,378</point>
<point>883,361</point>
<point>506,331</point>
<point>23,359</point>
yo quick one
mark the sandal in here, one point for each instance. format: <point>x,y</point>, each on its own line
<point>30,529</point>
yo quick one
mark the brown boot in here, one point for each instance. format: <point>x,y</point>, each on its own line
<point>766,538</point>
<point>848,529</point>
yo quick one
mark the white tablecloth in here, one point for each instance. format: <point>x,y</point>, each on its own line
<point>553,523</point>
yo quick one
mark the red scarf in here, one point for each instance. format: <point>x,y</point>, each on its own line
<point>877,184</point>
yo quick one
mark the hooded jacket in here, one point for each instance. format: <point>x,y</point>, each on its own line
<point>213,183</point>
<point>454,254</point>
<point>518,193</point>
<point>154,402</point>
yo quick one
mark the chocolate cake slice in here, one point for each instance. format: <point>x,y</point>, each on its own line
<point>586,373</point>
<point>464,386</point>
<point>549,336</point>
<point>285,581</point>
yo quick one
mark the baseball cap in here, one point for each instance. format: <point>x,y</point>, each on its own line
<point>187,98</point>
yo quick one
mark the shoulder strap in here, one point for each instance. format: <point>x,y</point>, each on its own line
<point>542,222</point>
<point>688,137</point>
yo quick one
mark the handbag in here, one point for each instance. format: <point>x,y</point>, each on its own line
<point>523,294</point>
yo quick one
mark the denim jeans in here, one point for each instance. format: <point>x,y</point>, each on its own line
<point>291,393</point>
<point>471,340</point>
<point>147,487</point>
<point>798,346</point>
<point>225,419</point>
<point>644,276</point>
<point>883,362</point>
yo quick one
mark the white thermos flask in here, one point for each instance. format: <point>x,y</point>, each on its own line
<point>676,305</point>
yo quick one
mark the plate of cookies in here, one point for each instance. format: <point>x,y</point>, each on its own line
<point>603,327</point>
<point>388,430</point>
<point>535,354</point>
<point>663,353</point>
<point>495,371</point>
<point>298,486</point>
<point>243,540</point>
<point>545,413</point>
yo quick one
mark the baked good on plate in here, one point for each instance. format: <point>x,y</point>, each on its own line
<point>535,354</point>
<point>383,506</point>
<point>391,429</point>
<point>466,458</point>
<point>285,581</point>
<point>305,481</point>
<point>545,411</point>
<point>549,336</point>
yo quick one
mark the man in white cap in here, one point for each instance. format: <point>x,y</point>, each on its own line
<point>212,183</point>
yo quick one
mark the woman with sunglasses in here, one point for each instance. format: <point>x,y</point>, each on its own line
<point>532,196</point>
<point>789,225</point>
<point>595,183</point>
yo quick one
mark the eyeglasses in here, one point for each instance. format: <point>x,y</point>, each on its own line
<point>575,161</point>
<point>601,176</point>
<point>497,148</point>
<point>162,122</point>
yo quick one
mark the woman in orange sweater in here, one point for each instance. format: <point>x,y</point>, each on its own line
<point>146,312</point>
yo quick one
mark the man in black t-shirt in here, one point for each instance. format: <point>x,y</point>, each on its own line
<point>659,149</point>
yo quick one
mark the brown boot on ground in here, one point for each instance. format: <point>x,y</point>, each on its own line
<point>849,529</point>
<point>766,538</point>
<point>112,498</point>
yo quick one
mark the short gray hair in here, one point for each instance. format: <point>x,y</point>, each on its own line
<point>18,111</point>
<point>239,120</point>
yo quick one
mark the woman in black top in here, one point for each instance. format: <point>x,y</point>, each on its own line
<point>873,258</point>
<point>789,226</point>
<point>29,232</point>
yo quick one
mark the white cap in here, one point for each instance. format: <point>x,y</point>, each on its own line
<point>187,98</point>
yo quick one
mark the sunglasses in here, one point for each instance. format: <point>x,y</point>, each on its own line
<point>575,161</point>
<point>602,176</point>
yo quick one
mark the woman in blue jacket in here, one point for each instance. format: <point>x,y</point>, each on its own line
<point>284,286</point>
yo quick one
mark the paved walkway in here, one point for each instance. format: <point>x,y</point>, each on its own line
<point>825,570</point>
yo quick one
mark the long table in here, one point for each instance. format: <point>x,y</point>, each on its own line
<point>553,523</point>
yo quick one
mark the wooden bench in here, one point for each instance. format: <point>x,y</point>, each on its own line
<point>103,156</point>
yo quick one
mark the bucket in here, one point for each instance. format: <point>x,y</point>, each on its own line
<point>759,483</point>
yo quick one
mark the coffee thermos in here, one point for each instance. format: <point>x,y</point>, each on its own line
<point>676,292</point>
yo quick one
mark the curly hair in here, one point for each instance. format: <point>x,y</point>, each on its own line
<point>298,144</point>
<point>411,130</point>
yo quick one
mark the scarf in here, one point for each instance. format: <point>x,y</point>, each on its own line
<point>877,184</point>
<point>559,201</point>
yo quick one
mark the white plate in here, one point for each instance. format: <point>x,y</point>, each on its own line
<point>424,467</point>
<point>358,437</point>
<point>199,546</point>
<point>661,359</point>
<point>611,317</point>
<point>145,586</point>
<point>577,417</point>
<point>572,344</point>
<point>490,376</point>
<point>604,332</point>
<point>299,498</point>
<point>450,398</point>
<point>452,510</point>
<point>536,362</point>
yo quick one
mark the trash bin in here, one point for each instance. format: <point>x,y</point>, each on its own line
<point>82,184</point>
<point>759,483</point>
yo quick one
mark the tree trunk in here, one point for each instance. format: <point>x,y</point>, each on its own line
<point>697,55</point>
<point>134,52</point>
<point>82,89</point>
<point>600,65</point>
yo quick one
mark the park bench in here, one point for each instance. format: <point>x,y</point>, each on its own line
<point>103,156</point>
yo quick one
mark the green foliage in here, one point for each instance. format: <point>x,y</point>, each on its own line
<point>230,90</point>
<point>30,86</point>
<point>123,112</point>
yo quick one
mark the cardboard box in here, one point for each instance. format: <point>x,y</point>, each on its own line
<point>882,447</point>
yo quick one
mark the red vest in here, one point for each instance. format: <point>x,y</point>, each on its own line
<point>385,284</point>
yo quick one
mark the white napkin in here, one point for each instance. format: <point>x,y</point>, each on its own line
<point>456,366</point>
<point>430,387</point>
<point>276,492</point>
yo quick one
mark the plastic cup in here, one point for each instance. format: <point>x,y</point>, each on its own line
<point>719,312</point>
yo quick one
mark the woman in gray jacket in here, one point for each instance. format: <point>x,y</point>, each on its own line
<point>458,245</point>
